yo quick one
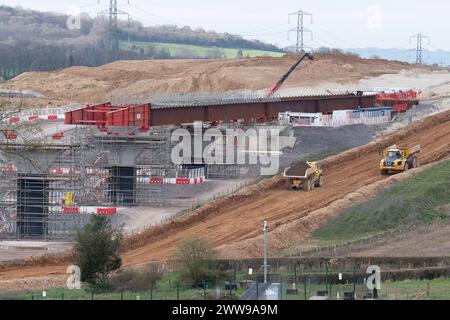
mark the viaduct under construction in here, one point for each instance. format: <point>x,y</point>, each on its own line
<point>107,156</point>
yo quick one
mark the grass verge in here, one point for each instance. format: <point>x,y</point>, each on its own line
<point>421,199</point>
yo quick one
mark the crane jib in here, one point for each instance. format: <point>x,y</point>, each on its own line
<point>286,75</point>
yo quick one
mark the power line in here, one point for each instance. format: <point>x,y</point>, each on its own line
<point>152,14</point>
<point>113,39</point>
<point>338,39</point>
<point>301,30</point>
<point>65,11</point>
<point>440,53</point>
<point>264,34</point>
<point>145,19</point>
<point>263,29</point>
<point>419,46</point>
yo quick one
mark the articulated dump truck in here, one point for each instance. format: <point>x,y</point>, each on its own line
<point>397,159</point>
<point>303,175</point>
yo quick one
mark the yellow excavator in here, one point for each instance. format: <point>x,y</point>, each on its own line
<point>303,175</point>
<point>396,159</point>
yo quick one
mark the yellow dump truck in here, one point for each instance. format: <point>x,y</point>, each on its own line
<point>303,175</point>
<point>396,159</point>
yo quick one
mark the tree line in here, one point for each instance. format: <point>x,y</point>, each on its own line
<point>41,41</point>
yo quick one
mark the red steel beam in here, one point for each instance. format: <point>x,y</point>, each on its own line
<point>145,116</point>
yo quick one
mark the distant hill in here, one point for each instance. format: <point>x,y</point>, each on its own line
<point>436,57</point>
<point>41,41</point>
<point>440,57</point>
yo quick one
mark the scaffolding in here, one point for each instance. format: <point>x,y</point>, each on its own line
<point>8,196</point>
<point>50,190</point>
<point>36,206</point>
<point>50,193</point>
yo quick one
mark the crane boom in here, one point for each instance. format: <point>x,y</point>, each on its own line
<point>286,75</point>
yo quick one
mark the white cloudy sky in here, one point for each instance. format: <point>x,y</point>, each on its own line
<point>344,23</point>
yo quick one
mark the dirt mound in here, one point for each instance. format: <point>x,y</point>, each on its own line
<point>137,81</point>
<point>206,211</point>
<point>298,169</point>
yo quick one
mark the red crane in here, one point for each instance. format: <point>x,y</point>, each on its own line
<point>286,75</point>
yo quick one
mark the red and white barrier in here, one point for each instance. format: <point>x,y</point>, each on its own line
<point>179,181</point>
<point>58,136</point>
<point>43,114</point>
<point>71,210</point>
<point>8,169</point>
<point>107,211</point>
<point>104,211</point>
<point>76,171</point>
<point>10,135</point>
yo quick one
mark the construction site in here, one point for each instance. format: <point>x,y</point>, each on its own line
<point>80,156</point>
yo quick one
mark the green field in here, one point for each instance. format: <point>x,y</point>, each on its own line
<point>200,52</point>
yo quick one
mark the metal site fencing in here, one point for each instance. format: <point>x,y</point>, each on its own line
<point>328,284</point>
<point>47,113</point>
<point>368,241</point>
<point>355,117</point>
